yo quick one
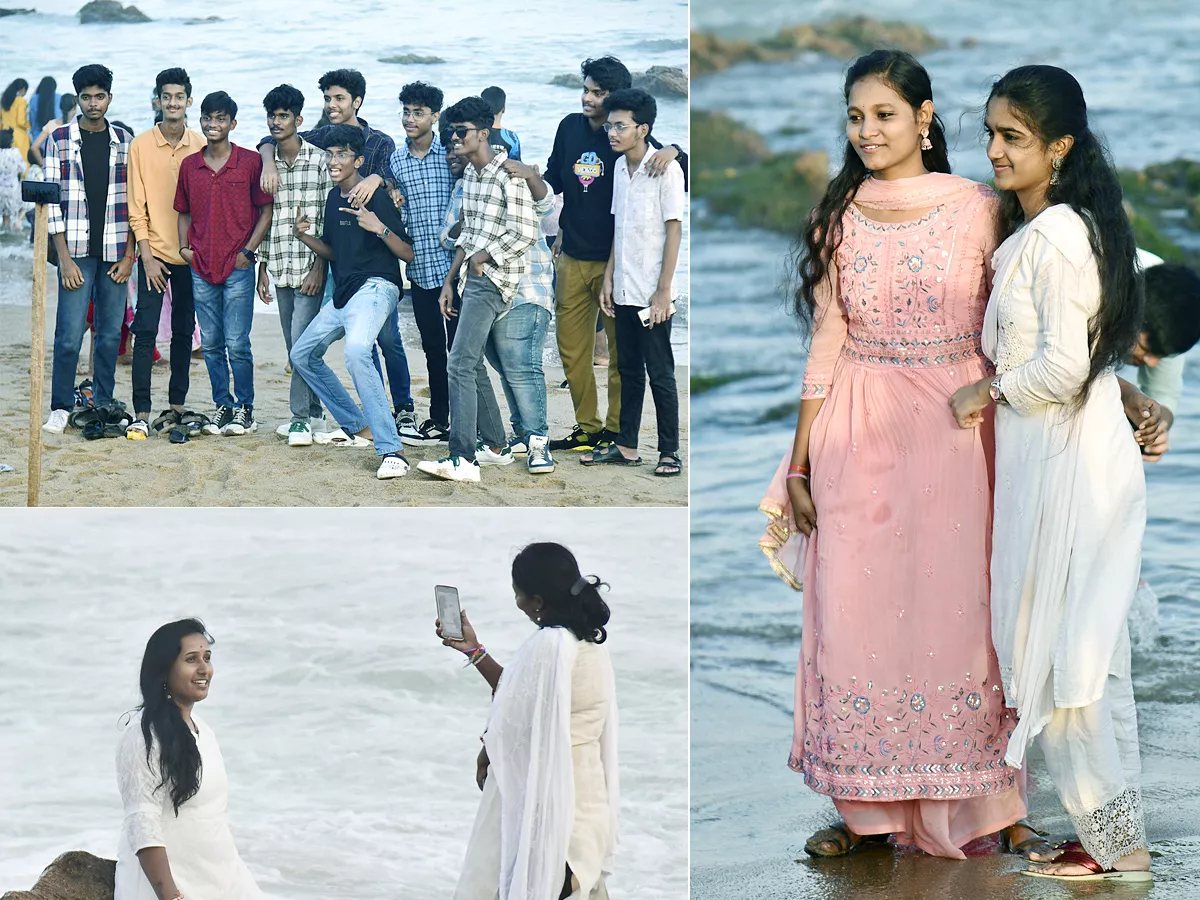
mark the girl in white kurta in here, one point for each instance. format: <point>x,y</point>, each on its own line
<point>1070,495</point>
<point>546,827</point>
<point>175,840</point>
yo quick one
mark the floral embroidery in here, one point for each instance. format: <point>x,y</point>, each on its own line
<point>917,702</point>
<point>974,701</point>
<point>862,705</point>
<point>860,264</point>
<point>912,353</point>
<point>915,264</point>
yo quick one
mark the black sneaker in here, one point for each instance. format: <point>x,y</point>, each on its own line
<point>406,417</point>
<point>578,439</point>
<point>242,422</point>
<point>219,420</point>
<point>430,432</point>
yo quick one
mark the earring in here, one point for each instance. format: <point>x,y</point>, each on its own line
<point>1055,166</point>
<point>926,144</point>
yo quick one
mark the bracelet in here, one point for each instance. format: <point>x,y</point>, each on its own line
<point>798,469</point>
<point>475,656</point>
<point>795,475</point>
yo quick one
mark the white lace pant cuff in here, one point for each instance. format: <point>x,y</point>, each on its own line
<point>1115,829</point>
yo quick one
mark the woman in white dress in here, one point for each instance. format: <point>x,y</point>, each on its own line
<point>175,841</point>
<point>546,828</point>
<point>1070,496</point>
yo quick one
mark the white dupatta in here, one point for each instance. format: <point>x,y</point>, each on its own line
<point>528,742</point>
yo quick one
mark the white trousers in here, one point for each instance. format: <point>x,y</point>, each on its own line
<point>1092,755</point>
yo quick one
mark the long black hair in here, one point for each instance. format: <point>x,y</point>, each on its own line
<point>45,103</point>
<point>162,720</point>
<point>10,93</point>
<point>822,233</point>
<point>570,600</point>
<point>1050,102</point>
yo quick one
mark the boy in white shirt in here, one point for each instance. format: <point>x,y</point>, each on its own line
<point>638,287</point>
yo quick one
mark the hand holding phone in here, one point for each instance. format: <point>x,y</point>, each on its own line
<point>644,314</point>
<point>449,611</point>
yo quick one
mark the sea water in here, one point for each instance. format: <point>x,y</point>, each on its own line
<point>262,43</point>
<point>349,732</point>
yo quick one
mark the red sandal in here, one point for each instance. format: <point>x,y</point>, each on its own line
<point>1096,871</point>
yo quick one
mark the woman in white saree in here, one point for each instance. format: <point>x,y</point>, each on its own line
<point>175,841</point>
<point>546,828</point>
<point>1070,496</point>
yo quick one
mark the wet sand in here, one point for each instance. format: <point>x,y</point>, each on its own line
<point>751,816</point>
<point>261,469</point>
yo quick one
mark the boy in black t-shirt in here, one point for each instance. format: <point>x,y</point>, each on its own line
<point>363,244</point>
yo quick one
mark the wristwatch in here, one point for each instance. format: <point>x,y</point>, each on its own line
<point>250,255</point>
<point>995,391</point>
<point>384,235</point>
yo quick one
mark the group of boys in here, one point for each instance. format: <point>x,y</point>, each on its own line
<point>453,201</point>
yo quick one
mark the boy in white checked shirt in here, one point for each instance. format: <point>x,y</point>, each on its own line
<point>304,183</point>
<point>499,226</point>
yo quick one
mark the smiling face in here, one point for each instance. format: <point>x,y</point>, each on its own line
<point>93,102</point>
<point>282,123</point>
<point>343,163</point>
<point>340,106</point>
<point>191,674</point>
<point>174,100</point>
<point>457,164</point>
<point>216,125</point>
<point>884,129</point>
<point>467,139</point>
<point>1020,161</point>
<point>593,100</point>
<point>418,121</point>
<point>531,606</point>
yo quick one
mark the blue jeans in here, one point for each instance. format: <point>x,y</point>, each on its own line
<point>359,320</point>
<point>296,311</point>
<point>226,312</point>
<point>71,324</point>
<point>514,349</point>
<point>474,414</point>
<point>395,360</point>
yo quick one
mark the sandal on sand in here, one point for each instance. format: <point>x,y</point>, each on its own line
<point>339,438</point>
<point>1096,872</point>
<point>669,464</point>
<point>843,840</point>
<point>167,419</point>
<point>1026,848</point>
<point>610,454</point>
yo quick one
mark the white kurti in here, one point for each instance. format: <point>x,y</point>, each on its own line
<point>1070,503</point>
<point>204,861</point>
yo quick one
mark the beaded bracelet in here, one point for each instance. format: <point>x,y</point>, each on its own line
<point>803,475</point>
<point>475,656</point>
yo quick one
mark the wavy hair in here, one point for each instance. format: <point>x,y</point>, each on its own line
<point>9,97</point>
<point>569,600</point>
<point>1049,101</point>
<point>821,235</point>
<point>162,720</point>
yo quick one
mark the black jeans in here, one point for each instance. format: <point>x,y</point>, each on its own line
<point>437,337</point>
<point>145,331</point>
<point>646,352</point>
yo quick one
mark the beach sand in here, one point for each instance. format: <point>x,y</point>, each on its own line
<point>751,816</point>
<point>261,469</point>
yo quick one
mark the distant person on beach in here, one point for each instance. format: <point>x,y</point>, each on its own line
<point>175,839</point>
<point>580,168</point>
<point>498,101</point>
<point>155,158</point>
<point>422,186</point>
<point>66,110</point>
<point>639,282</point>
<point>12,167</point>
<point>343,91</point>
<point>14,115</point>
<point>89,159</point>
<point>299,274</point>
<point>224,216</point>
<point>364,244</point>
<point>499,226</point>
<point>881,509</point>
<point>1070,497</point>
<point>548,819</point>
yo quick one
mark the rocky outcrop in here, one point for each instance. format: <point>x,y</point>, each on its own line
<point>412,59</point>
<point>842,38</point>
<point>207,20</point>
<point>662,81</point>
<point>76,875</point>
<point>105,11</point>
<point>15,12</point>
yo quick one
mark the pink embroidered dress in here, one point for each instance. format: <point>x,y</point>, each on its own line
<point>900,714</point>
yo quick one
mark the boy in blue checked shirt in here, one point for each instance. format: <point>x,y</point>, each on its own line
<point>90,228</point>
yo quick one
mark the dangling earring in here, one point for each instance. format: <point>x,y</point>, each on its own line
<point>1055,166</point>
<point>167,692</point>
<point>926,144</point>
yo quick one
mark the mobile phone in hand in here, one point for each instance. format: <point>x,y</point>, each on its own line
<point>644,314</point>
<point>449,612</point>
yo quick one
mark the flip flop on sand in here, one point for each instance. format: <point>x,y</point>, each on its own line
<point>1095,871</point>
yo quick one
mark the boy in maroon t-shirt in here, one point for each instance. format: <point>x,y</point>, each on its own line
<point>223,216</point>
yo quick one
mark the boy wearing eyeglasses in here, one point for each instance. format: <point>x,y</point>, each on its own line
<point>364,245</point>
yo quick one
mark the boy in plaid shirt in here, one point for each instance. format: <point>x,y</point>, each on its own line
<point>90,228</point>
<point>499,226</point>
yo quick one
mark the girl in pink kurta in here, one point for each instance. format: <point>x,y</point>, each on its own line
<point>900,714</point>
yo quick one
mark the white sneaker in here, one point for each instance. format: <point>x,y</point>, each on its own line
<point>284,430</point>
<point>57,423</point>
<point>394,465</point>
<point>452,468</point>
<point>318,424</point>
<point>339,438</point>
<point>486,456</point>
<point>518,445</point>
<point>300,435</point>
<point>539,461</point>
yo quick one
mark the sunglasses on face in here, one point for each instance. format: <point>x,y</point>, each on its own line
<point>461,131</point>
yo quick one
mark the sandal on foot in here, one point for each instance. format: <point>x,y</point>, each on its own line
<point>1096,872</point>
<point>842,839</point>
<point>166,420</point>
<point>610,454</point>
<point>1036,844</point>
<point>668,466</point>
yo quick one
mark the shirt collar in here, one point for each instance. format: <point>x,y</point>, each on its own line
<point>307,152</point>
<point>160,139</point>
<point>77,133</point>
<point>435,148</point>
<point>492,167</point>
